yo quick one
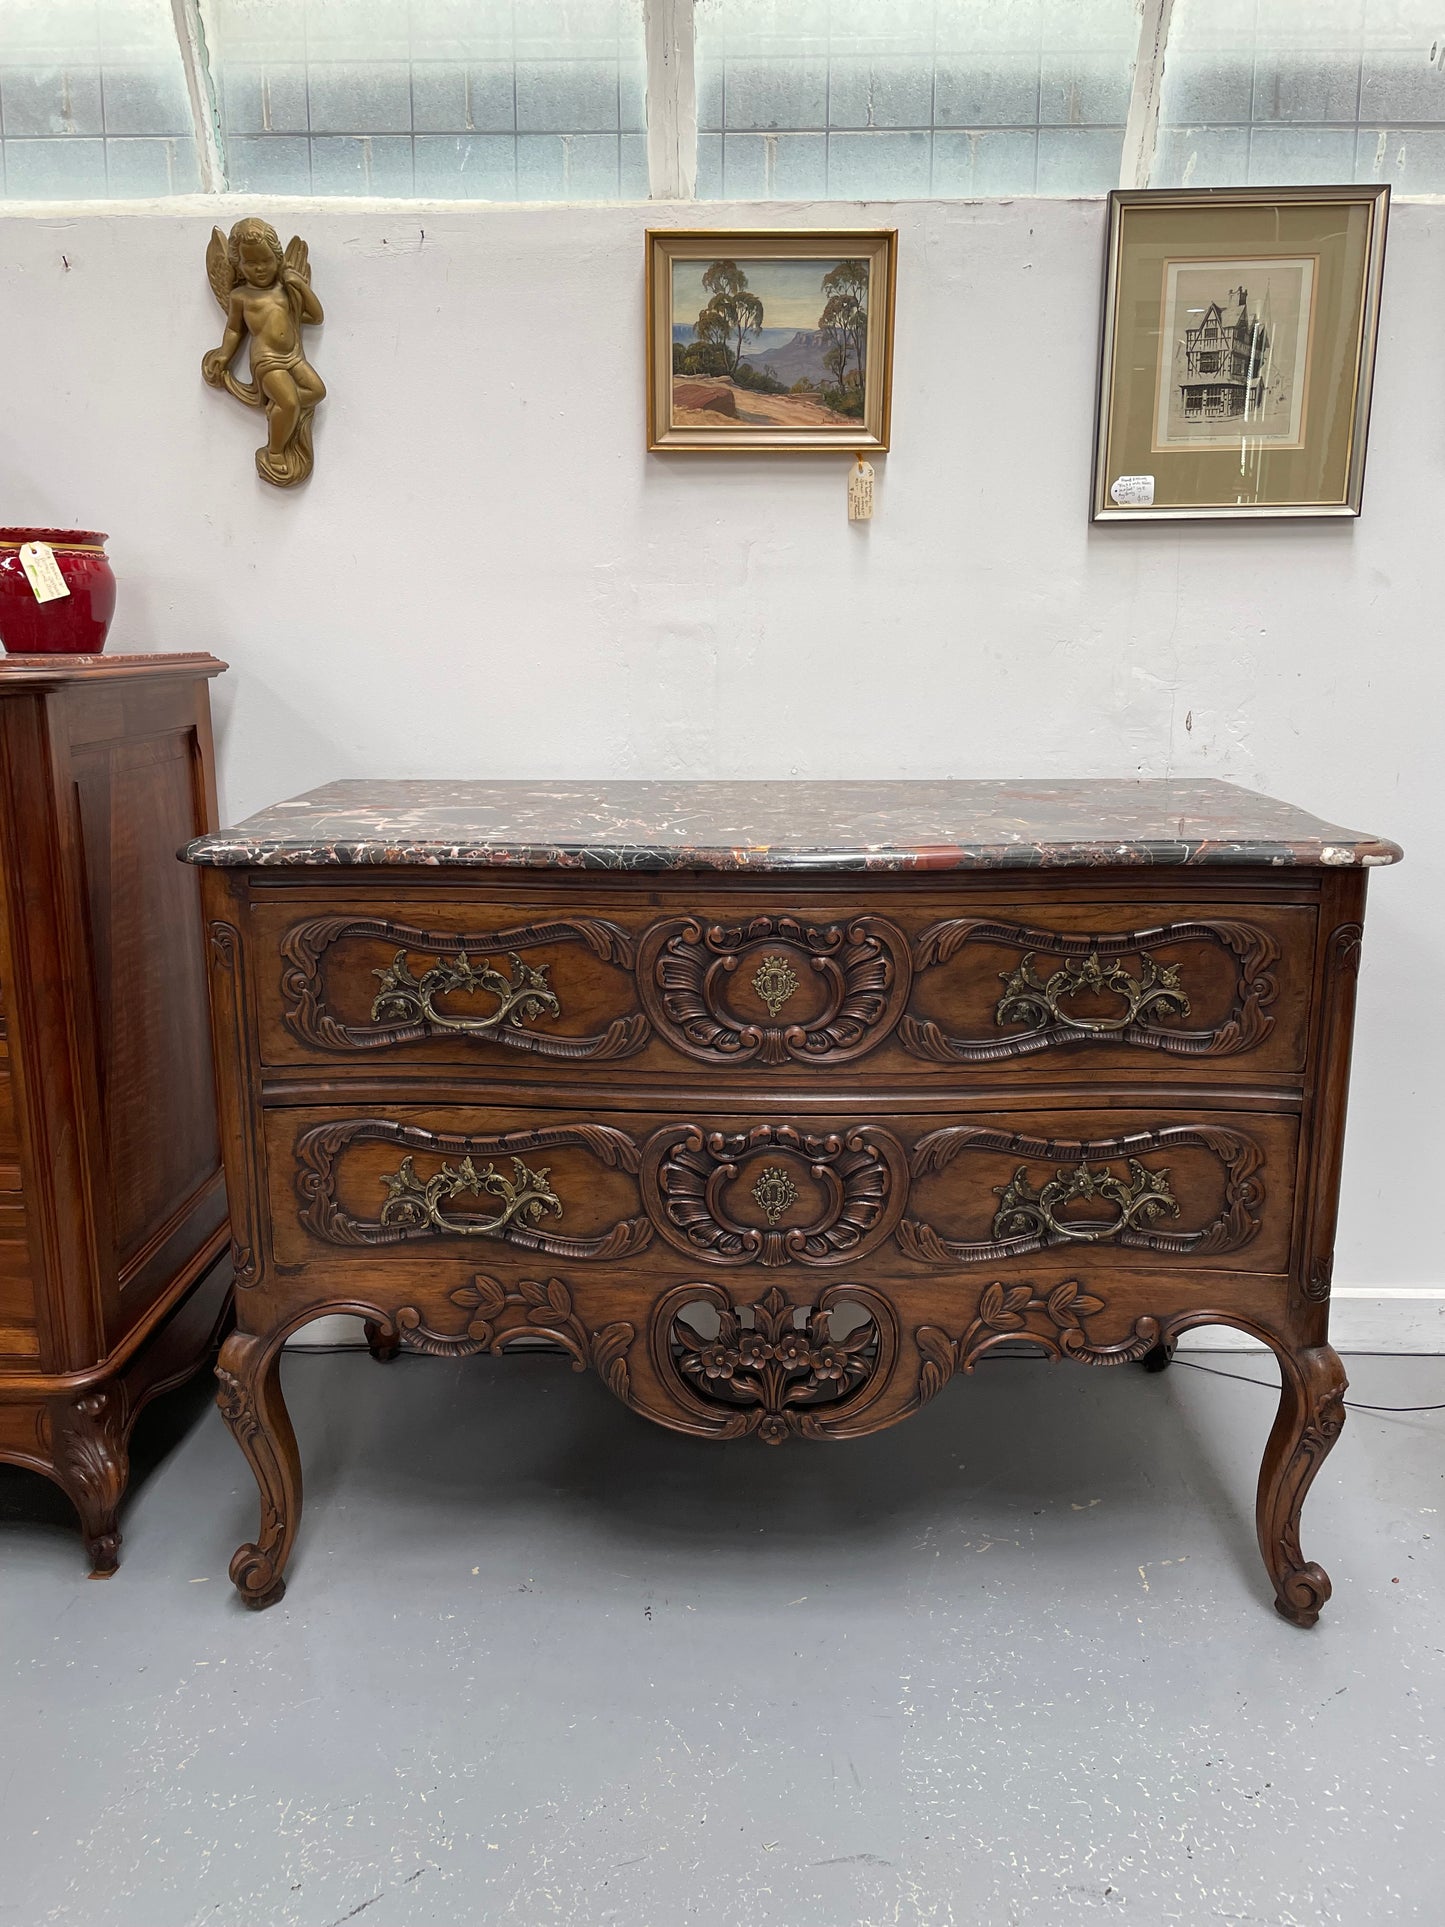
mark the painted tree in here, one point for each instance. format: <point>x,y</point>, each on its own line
<point>733,314</point>
<point>845,318</point>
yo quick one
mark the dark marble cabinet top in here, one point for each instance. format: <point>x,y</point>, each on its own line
<point>929,825</point>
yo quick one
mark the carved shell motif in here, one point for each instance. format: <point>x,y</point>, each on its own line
<point>774,1195</point>
<point>775,989</point>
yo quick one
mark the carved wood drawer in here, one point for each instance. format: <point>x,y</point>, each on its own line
<point>772,1191</point>
<point>738,985</point>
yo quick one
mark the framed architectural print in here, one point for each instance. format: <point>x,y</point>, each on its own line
<point>1238,349</point>
<point>769,340</point>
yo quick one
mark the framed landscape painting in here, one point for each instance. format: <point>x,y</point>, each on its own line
<point>769,340</point>
<point>1238,350</point>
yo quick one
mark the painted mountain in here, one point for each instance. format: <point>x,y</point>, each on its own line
<point>792,354</point>
<point>797,356</point>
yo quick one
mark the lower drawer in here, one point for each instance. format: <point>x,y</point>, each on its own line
<point>766,1189</point>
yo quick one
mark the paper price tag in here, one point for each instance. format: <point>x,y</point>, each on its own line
<point>860,491</point>
<point>1133,492</point>
<point>42,571</point>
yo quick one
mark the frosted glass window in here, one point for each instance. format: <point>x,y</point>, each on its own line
<point>93,101</point>
<point>853,99</point>
<point>497,100</point>
<point>1277,91</point>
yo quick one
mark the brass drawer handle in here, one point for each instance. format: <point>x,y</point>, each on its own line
<point>1039,1001</point>
<point>413,1205</point>
<point>1140,1199</point>
<point>1096,964</point>
<point>405,999</point>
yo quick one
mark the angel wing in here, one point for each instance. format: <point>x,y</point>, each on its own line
<point>298,258</point>
<point>219,272</point>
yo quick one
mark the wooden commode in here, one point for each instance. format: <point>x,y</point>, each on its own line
<point>780,1105</point>
<point>112,1203</point>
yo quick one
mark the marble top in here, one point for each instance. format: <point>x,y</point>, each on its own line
<point>929,825</point>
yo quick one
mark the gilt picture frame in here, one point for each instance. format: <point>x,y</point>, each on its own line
<point>1237,351</point>
<point>770,339</point>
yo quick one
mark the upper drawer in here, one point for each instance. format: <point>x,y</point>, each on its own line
<point>738,984</point>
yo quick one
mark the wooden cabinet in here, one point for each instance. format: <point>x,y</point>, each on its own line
<point>781,1105</point>
<point>112,1206</point>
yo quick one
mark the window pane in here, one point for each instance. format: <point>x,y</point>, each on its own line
<point>494,100</point>
<point>93,101</point>
<point>854,99</point>
<point>1273,91</point>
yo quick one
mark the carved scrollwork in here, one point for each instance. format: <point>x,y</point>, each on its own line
<point>847,1187</point>
<point>545,1314</point>
<point>773,1368</point>
<point>413,1204</point>
<point>1032,1219</point>
<point>408,1007</point>
<point>1052,1320</point>
<point>689,973</point>
<point>1147,997</point>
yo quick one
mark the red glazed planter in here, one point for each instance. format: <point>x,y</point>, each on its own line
<point>71,625</point>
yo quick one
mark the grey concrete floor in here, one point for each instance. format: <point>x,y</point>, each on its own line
<point>1012,1662</point>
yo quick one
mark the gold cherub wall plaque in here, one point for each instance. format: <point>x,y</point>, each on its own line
<point>267,299</point>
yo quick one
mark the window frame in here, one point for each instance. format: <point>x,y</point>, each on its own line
<point>671,98</point>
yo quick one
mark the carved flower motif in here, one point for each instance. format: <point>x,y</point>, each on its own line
<point>773,1429</point>
<point>793,1350</point>
<point>754,1352</point>
<point>716,1361</point>
<point>830,1361</point>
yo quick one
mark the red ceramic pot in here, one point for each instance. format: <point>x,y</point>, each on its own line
<point>71,625</point>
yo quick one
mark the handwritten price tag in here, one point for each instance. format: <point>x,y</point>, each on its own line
<point>42,571</point>
<point>1133,492</point>
<point>860,491</point>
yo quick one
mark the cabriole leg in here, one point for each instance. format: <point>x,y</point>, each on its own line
<point>249,1374</point>
<point>1311,1417</point>
<point>92,1466</point>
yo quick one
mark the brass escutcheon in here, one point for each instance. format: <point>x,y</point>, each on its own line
<point>775,1192</point>
<point>775,981</point>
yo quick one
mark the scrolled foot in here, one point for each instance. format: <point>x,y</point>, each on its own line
<point>256,1579</point>
<point>1302,1593</point>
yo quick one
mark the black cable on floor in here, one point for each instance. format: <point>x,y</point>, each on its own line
<point>1352,1405</point>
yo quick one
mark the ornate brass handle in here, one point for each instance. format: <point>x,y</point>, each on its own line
<point>1140,1198</point>
<point>411,1204</point>
<point>1028,998</point>
<point>404,998</point>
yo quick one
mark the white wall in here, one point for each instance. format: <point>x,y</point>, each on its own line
<point>488,575</point>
